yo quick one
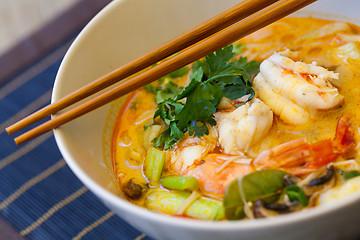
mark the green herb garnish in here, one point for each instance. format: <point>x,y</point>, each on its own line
<point>164,92</point>
<point>179,73</point>
<point>349,174</point>
<point>264,184</point>
<point>295,193</point>
<point>211,79</point>
<point>238,48</point>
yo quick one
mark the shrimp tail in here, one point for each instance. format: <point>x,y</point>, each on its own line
<point>344,140</point>
<point>328,150</point>
<point>299,157</point>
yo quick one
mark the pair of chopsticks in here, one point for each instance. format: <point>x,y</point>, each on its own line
<point>217,32</point>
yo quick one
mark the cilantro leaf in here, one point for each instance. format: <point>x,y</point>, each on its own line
<point>179,73</point>
<point>211,79</point>
<point>200,64</point>
<point>196,79</point>
<point>200,105</point>
<point>233,92</point>
<point>233,77</point>
<point>165,140</point>
<point>150,88</point>
<point>198,129</point>
<point>239,87</point>
<point>168,110</point>
<point>227,72</point>
<point>217,61</point>
<point>164,92</point>
<point>251,67</point>
<point>238,48</point>
<point>170,91</point>
<point>168,138</point>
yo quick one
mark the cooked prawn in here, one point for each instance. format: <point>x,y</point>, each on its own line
<point>237,130</point>
<point>189,150</point>
<point>300,157</point>
<point>243,127</point>
<point>216,171</point>
<point>293,90</point>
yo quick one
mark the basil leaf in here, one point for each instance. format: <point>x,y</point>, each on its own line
<point>295,193</point>
<point>349,174</point>
<point>264,184</point>
<point>233,203</point>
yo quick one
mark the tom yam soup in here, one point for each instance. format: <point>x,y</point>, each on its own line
<point>263,127</point>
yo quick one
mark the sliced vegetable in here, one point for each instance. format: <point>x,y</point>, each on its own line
<point>295,193</point>
<point>154,164</point>
<point>187,183</point>
<point>264,184</point>
<point>169,202</point>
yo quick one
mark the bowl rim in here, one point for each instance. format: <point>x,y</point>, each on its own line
<point>126,206</point>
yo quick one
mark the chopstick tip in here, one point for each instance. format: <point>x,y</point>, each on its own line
<point>9,130</point>
<point>18,141</point>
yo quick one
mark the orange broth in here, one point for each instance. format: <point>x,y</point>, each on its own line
<point>128,152</point>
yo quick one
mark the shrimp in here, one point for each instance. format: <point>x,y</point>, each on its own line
<point>213,171</point>
<point>216,171</point>
<point>299,157</point>
<point>293,90</point>
<point>190,150</point>
<point>236,131</point>
<point>243,127</point>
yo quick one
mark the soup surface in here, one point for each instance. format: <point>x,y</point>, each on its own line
<point>280,138</point>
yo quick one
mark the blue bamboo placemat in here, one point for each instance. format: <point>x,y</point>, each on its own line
<point>40,198</point>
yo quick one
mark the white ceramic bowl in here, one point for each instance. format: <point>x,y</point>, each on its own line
<point>126,29</point>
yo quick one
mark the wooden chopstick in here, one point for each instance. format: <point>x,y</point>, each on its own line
<point>221,39</point>
<point>211,26</point>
